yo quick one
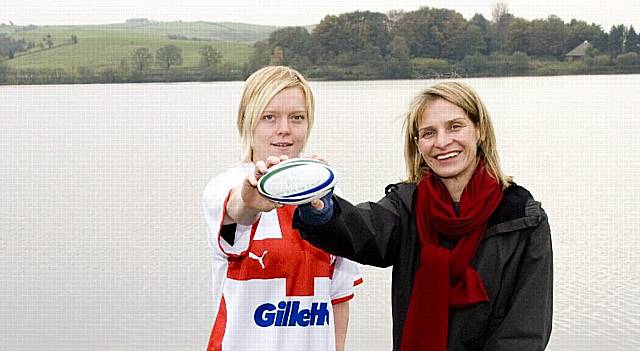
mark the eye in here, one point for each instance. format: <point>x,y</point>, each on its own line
<point>426,134</point>
<point>298,117</point>
<point>268,117</point>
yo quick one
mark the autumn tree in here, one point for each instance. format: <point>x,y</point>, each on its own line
<point>399,62</point>
<point>209,57</point>
<point>141,59</point>
<point>429,31</point>
<point>169,55</point>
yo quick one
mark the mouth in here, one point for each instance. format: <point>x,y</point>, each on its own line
<point>448,155</point>
<point>282,144</point>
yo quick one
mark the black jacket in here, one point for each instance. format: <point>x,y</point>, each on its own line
<point>514,260</point>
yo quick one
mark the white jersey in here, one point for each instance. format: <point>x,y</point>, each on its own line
<point>272,290</point>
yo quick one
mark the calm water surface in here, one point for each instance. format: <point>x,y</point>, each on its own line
<point>102,239</point>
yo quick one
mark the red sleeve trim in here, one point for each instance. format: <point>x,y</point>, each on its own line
<point>341,299</point>
<point>358,282</point>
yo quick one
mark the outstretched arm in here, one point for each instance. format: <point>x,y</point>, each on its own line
<point>367,233</point>
<point>245,202</point>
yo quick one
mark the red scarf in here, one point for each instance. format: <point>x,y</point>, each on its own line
<point>445,278</point>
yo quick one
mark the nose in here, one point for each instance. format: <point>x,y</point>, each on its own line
<point>442,139</point>
<point>283,126</point>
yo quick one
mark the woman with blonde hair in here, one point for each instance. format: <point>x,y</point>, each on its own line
<point>272,290</point>
<point>470,249</point>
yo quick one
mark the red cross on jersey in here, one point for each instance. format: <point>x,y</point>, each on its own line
<point>269,284</point>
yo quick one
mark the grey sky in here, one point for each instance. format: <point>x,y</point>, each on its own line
<point>295,12</point>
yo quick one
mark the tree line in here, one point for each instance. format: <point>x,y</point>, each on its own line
<point>140,66</point>
<point>433,42</point>
<point>426,43</point>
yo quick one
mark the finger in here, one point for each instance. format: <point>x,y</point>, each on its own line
<point>317,204</point>
<point>272,160</point>
<point>319,158</point>
<point>284,157</point>
<point>252,180</point>
<point>261,167</point>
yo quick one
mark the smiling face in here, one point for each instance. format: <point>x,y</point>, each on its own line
<point>448,141</point>
<point>282,126</point>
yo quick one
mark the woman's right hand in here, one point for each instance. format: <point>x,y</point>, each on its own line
<point>245,202</point>
<point>249,190</point>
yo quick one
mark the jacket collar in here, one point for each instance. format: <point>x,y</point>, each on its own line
<point>517,210</point>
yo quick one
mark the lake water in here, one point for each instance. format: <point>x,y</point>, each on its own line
<point>102,238</point>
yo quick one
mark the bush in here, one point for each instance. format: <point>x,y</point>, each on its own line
<point>430,68</point>
<point>599,61</point>
<point>628,59</point>
<point>519,62</point>
<point>474,63</point>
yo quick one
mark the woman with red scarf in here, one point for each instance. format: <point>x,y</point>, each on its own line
<point>470,249</point>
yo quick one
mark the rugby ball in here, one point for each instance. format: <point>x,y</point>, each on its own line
<point>297,181</point>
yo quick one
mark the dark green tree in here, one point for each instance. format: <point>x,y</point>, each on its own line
<point>429,31</point>
<point>4,71</point>
<point>399,62</point>
<point>547,37</point>
<point>277,57</point>
<point>632,43</point>
<point>500,25</point>
<point>141,59</point>
<point>209,57</point>
<point>295,43</point>
<point>123,70</point>
<point>259,58</point>
<point>485,26</point>
<point>9,46</point>
<point>47,40</point>
<point>616,40</point>
<point>518,35</point>
<point>351,33</point>
<point>169,55</point>
<point>74,39</point>
<point>468,42</point>
<point>579,31</point>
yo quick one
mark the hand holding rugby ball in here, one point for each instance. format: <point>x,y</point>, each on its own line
<point>297,181</point>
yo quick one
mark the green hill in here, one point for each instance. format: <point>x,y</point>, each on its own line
<point>220,31</point>
<point>101,46</point>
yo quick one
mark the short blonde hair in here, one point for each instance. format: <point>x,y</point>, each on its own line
<point>259,89</point>
<point>467,99</point>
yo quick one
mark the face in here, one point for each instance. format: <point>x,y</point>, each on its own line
<point>447,141</point>
<point>282,127</point>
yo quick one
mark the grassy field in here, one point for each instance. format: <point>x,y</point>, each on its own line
<point>105,45</point>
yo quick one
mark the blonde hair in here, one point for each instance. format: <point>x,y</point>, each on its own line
<point>467,99</point>
<point>259,89</point>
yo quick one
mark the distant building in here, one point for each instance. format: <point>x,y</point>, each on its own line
<point>138,20</point>
<point>579,52</point>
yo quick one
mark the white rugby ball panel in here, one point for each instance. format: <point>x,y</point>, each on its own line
<point>296,181</point>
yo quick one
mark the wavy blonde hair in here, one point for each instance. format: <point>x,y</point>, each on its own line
<point>467,99</point>
<point>259,89</point>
